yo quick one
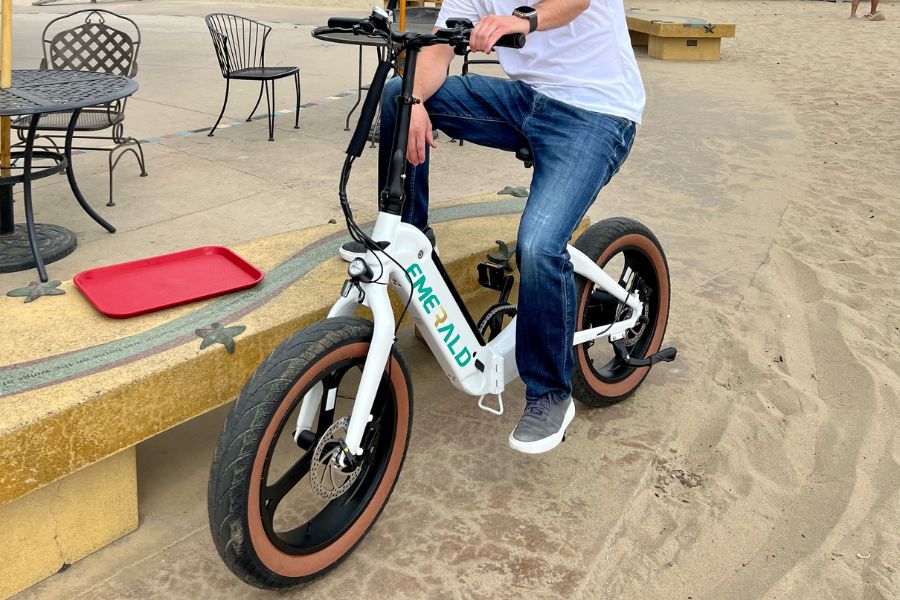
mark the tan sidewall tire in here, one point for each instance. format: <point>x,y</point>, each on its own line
<point>614,392</point>
<point>288,565</point>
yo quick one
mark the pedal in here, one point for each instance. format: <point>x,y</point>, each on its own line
<point>664,355</point>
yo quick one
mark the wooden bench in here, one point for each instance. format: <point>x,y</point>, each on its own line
<point>676,38</point>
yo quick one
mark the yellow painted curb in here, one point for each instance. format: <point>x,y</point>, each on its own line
<point>81,387</point>
<point>51,528</point>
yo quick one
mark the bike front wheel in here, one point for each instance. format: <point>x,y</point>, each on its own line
<point>630,254</point>
<point>282,510</point>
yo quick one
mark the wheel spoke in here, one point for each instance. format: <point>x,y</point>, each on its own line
<point>273,494</point>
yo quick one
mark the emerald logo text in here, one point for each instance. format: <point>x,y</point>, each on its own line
<point>432,304</point>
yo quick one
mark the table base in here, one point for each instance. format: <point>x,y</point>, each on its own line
<point>54,243</point>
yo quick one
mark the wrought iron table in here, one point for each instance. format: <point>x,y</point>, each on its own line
<point>363,41</point>
<point>36,93</point>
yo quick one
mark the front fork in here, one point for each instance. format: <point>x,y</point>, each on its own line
<point>376,297</point>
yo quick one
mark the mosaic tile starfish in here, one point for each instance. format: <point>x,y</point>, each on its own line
<point>516,192</point>
<point>35,290</point>
<point>216,334</point>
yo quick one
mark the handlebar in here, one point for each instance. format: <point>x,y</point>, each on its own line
<point>511,40</point>
<point>456,33</point>
<point>344,22</point>
<point>379,25</point>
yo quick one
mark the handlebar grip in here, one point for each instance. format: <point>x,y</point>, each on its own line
<point>344,22</point>
<point>511,40</point>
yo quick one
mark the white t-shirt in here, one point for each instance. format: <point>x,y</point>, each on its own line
<point>588,63</point>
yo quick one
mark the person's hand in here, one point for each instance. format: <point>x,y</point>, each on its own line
<point>419,135</point>
<point>489,30</point>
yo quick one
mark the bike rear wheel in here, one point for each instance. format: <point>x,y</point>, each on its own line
<point>630,253</point>
<point>280,511</point>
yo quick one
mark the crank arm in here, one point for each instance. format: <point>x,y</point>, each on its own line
<point>664,355</point>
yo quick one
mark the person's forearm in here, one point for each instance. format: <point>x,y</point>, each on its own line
<point>556,13</point>
<point>431,71</point>
<point>550,15</point>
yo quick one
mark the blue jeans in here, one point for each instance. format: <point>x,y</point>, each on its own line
<point>575,151</point>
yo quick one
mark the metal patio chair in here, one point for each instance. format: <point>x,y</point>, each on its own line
<point>105,42</point>
<point>240,46</point>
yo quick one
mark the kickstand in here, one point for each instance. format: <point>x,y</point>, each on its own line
<point>487,408</point>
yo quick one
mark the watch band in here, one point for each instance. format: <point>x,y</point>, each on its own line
<point>529,13</point>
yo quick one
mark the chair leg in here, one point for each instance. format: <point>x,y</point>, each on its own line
<point>138,154</point>
<point>271,107</point>
<point>222,112</point>
<point>258,98</point>
<point>297,112</point>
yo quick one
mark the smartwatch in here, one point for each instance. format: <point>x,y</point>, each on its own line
<point>527,12</point>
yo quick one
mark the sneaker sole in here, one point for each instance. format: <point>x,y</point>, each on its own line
<point>548,443</point>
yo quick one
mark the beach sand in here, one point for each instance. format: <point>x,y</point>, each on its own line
<point>779,475</point>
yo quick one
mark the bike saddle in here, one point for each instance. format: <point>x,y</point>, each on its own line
<point>524,154</point>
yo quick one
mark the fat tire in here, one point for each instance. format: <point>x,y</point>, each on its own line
<point>593,243</point>
<point>228,491</point>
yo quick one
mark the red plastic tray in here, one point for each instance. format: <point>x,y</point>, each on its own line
<point>150,284</point>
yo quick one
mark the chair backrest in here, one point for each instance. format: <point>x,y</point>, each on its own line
<point>240,43</point>
<point>102,41</point>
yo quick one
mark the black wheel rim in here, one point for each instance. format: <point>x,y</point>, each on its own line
<point>339,514</point>
<point>609,368</point>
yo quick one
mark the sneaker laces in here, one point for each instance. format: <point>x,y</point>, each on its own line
<point>539,408</point>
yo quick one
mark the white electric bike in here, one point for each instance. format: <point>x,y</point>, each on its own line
<point>314,444</point>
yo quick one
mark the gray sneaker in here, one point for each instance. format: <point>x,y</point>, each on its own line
<point>542,426</point>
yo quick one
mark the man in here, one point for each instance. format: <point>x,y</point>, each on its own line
<point>574,95</point>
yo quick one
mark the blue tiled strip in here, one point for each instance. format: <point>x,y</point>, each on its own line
<point>19,378</point>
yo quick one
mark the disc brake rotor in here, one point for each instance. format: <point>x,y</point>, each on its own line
<point>326,475</point>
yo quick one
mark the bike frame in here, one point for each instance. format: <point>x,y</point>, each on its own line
<point>415,273</point>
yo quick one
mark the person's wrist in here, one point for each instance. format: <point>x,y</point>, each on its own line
<point>521,26</point>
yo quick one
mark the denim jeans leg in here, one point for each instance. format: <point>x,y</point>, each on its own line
<point>576,153</point>
<point>483,110</point>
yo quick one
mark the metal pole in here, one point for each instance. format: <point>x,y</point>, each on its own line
<point>6,208</point>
